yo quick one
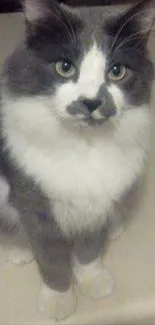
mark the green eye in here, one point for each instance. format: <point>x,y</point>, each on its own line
<point>65,69</point>
<point>117,72</point>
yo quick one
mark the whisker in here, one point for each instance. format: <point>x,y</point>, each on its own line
<point>61,23</point>
<point>67,29</point>
<point>70,30</point>
<point>130,38</point>
<point>71,27</point>
<point>126,22</point>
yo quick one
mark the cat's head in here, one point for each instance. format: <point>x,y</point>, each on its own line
<point>87,64</point>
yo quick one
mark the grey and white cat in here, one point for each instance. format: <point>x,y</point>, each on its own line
<point>75,122</point>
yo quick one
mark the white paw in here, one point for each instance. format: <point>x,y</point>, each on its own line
<point>19,256</point>
<point>96,286</point>
<point>57,305</point>
<point>94,281</point>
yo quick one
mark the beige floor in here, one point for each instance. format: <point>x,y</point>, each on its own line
<point>131,259</point>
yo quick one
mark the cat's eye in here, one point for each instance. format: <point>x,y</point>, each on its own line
<point>65,69</point>
<point>117,72</point>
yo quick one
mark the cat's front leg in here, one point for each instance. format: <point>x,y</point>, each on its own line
<point>52,252</point>
<point>93,280</point>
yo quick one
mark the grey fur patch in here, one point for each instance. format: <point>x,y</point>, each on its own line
<point>78,108</point>
<point>106,109</point>
<point>87,247</point>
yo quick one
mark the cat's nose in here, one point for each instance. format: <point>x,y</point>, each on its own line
<point>91,104</point>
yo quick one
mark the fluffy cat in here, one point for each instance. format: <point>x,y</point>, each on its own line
<point>75,122</point>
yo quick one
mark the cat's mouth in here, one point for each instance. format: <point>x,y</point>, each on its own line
<point>88,122</point>
<point>94,121</point>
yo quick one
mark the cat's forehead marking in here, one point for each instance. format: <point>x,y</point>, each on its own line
<point>92,71</point>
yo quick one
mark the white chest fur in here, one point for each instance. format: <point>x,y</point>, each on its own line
<point>83,174</point>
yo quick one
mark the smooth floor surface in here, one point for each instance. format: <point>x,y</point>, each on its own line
<point>131,259</point>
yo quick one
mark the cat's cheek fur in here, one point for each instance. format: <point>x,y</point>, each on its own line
<point>64,96</point>
<point>118,97</point>
<point>70,92</point>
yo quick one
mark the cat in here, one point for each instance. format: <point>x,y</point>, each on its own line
<point>75,124</point>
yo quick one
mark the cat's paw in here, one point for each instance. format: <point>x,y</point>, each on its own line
<point>94,281</point>
<point>19,256</point>
<point>96,286</point>
<point>57,305</point>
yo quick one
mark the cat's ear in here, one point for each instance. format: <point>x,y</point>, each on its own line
<point>39,9</point>
<point>137,21</point>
